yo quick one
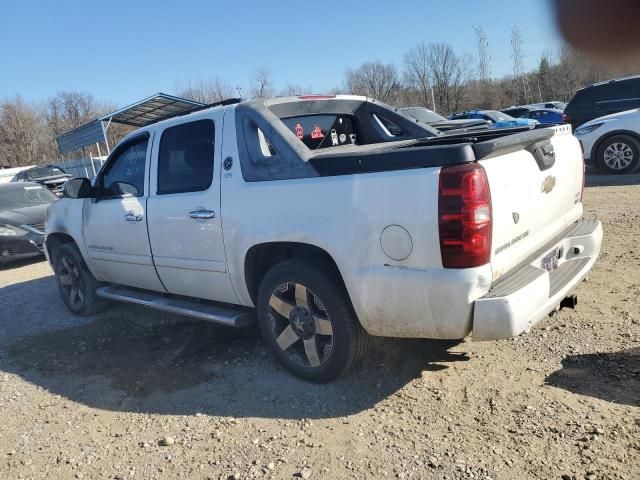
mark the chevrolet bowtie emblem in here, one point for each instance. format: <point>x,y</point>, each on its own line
<point>516,217</point>
<point>548,184</point>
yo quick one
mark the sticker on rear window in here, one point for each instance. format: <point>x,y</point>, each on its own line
<point>299,131</point>
<point>316,133</point>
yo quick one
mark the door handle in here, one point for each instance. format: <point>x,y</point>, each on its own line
<point>133,217</point>
<point>202,214</point>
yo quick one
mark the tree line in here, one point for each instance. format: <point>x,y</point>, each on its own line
<point>432,75</point>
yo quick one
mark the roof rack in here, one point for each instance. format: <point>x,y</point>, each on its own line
<point>228,101</point>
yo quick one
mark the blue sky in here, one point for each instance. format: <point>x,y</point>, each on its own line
<point>121,51</point>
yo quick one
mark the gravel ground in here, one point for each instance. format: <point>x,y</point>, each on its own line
<point>133,393</point>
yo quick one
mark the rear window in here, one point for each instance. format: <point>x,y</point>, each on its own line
<point>322,131</point>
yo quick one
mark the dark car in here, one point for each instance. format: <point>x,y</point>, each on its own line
<point>22,211</point>
<point>438,122</point>
<point>50,176</point>
<point>550,116</point>
<point>517,112</point>
<point>602,99</point>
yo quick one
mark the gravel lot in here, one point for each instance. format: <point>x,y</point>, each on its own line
<point>133,393</point>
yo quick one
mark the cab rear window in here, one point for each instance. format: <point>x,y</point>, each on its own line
<point>322,131</point>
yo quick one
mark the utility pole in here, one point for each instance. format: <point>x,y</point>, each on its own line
<point>519,75</point>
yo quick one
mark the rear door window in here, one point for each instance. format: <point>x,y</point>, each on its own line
<point>322,131</point>
<point>185,160</point>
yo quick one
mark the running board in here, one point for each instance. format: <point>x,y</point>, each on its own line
<point>225,315</point>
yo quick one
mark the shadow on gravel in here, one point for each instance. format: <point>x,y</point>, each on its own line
<point>614,377</point>
<point>135,360</point>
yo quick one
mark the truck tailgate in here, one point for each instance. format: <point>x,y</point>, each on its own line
<point>536,183</point>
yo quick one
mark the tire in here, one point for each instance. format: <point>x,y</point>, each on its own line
<point>308,322</point>
<point>76,284</point>
<point>619,154</point>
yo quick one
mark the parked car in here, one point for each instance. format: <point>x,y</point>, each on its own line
<point>439,122</point>
<point>22,213</point>
<point>517,112</point>
<point>612,142</point>
<point>548,116</point>
<point>555,104</point>
<point>50,176</point>
<point>602,99</point>
<point>333,218</point>
<point>495,118</point>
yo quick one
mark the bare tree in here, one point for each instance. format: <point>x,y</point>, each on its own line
<point>262,84</point>
<point>449,75</point>
<point>417,75</point>
<point>21,133</point>
<point>292,90</point>
<point>67,110</point>
<point>374,79</point>
<point>207,91</point>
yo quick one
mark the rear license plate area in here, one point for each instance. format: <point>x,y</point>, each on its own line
<point>550,260</point>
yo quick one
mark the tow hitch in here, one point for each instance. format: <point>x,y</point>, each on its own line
<point>569,302</point>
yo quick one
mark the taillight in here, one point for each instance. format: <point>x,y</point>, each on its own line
<point>464,216</point>
<point>566,118</point>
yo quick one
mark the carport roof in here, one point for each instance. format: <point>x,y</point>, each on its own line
<point>151,109</point>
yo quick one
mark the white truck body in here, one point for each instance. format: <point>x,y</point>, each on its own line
<point>381,228</point>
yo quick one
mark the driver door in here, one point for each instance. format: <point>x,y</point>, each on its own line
<point>115,222</point>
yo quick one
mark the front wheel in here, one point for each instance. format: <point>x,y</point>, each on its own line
<point>76,284</point>
<point>619,154</point>
<point>308,323</point>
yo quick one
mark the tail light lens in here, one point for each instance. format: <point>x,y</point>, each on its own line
<point>464,216</point>
<point>565,118</point>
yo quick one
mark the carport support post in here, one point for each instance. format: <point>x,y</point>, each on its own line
<point>104,132</point>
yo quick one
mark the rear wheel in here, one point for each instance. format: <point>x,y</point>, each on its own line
<point>75,282</point>
<point>308,322</point>
<point>619,154</point>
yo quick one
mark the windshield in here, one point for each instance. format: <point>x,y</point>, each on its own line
<point>24,196</point>
<point>423,114</point>
<point>40,172</point>
<point>497,116</point>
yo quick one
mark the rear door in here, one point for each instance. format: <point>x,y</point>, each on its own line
<point>184,209</point>
<point>115,224</point>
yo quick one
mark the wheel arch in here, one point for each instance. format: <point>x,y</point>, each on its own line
<point>55,240</point>
<point>598,143</point>
<point>260,258</point>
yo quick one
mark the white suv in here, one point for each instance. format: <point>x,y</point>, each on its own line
<point>612,142</point>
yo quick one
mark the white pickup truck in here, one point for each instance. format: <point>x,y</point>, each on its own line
<point>333,218</point>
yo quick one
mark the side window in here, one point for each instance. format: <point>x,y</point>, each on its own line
<point>185,161</point>
<point>124,175</point>
<point>390,127</point>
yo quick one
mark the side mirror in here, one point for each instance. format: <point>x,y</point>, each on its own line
<point>77,188</point>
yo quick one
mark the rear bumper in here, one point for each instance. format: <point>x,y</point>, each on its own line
<point>523,298</point>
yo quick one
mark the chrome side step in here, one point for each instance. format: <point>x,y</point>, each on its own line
<point>225,315</point>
